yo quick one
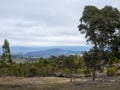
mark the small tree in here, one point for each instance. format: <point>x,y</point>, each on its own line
<point>6,56</point>
<point>92,61</point>
<point>34,71</point>
<point>69,63</point>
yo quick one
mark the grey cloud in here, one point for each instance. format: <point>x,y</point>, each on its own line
<point>50,11</point>
<point>64,41</point>
<point>44,22</point>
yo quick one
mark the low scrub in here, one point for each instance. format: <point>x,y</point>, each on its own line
<point>87,73</point>
<point>111,71</point>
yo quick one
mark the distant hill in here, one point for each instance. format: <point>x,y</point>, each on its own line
<point>22,50</point>
<point>52,52</point>
<point>47,51</point>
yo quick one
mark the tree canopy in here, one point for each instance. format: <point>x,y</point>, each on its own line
<point>101,26</point>
<point>102,29</point>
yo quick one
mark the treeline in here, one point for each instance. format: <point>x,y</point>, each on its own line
<point>61,66</point>
<point>53,66</point>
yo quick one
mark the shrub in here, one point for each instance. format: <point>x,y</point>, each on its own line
<point>66,71</point>
<point>78,71</point>
<point>87,73</point>
<point>33,72</point>
<point>111,71</point>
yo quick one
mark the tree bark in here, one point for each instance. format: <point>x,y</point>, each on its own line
<point>70,76</point>
<point>105,72</point>
<point>94,73</point>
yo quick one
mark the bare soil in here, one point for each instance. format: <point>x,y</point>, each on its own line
<point>55,83</point>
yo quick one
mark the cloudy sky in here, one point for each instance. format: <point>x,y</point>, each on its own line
<point>44,22</point>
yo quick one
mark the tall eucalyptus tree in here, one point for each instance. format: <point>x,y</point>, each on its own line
<point>101,26</point>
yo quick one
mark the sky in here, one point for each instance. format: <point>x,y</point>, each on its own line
<point>45,22</point>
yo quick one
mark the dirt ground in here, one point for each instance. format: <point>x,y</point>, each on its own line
<point>55,83</point>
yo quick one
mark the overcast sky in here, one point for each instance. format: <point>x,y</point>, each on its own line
<point>45,22</point>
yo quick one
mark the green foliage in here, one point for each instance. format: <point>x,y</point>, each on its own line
<point>43,72</point>
<point>6,56</point>
<point>78,71</point>
<point>99,24</point>
<point>13,70</point>
<point>87,73</point>
<point>4,71</point>
<point>91,58</point>
<point>114,60</point>
<point>66,71</point>
<point>102,30</point>
<point>33,71</point>
<point>111,71</point>
<point>68,65</point>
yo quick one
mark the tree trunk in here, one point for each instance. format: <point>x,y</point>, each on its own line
<point>70,76</point>
<point>105,72</point>
<point>94,73</point>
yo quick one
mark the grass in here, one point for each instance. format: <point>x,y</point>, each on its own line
<point>54,83</point>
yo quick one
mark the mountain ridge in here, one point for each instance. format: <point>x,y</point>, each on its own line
<point>52,52</point>
<point>63,50</point>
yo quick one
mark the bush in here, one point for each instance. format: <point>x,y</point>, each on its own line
<point>3,71</point>
<point>111,71</point>
<point>33,72</point>
<point>66,71</point>
<point>87,73</point>
<point>78,71</point>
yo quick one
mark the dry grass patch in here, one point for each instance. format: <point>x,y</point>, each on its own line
<point>54,83</point>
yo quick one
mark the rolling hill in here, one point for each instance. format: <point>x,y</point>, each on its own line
<point>46,51</point>
<point>52,52</point>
